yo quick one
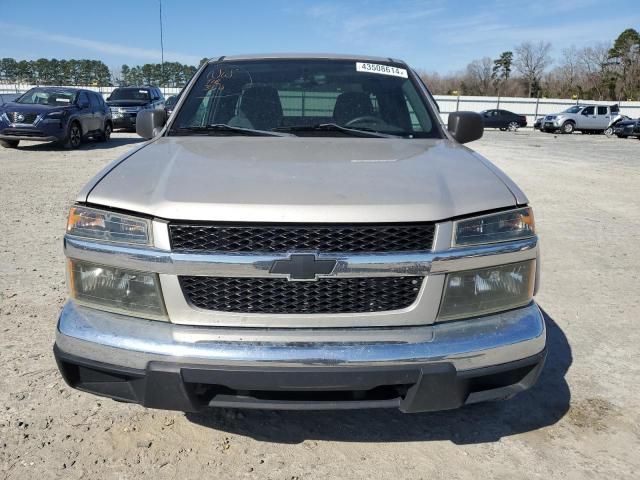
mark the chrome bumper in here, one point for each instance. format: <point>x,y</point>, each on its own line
<point>133,343</point>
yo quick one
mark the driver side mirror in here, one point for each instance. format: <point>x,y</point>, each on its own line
<point>465,126</point>
<point>149,123</point>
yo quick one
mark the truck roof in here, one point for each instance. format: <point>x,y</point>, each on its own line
<point>323,56</point>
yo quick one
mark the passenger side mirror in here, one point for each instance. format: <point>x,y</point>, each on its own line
<point>465,126</point>
<point>149,123</point>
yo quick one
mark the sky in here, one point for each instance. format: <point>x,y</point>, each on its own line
<point>432,35</point>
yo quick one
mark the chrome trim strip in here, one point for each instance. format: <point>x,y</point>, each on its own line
<point>152,259</point>
<point>132,342</point>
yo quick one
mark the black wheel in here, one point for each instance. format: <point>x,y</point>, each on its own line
<point>9,143</point>
<point>620,136</point>
<point>568,127</point>
<point>513,126</point>
<point>106,134</point>
<point>74,137</point>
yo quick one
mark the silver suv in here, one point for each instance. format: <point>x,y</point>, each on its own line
<point>584,118</point>
<point>302,232</point>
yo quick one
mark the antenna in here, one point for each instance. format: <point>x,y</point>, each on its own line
<point>161,45</point>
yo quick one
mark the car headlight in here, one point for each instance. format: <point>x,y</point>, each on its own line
<point>108,226</point>
<point>118,290</point>
<point>483,291</point>
<point>497,227</point>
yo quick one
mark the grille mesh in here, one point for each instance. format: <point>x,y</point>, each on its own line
<point>28,117</point>
<point>282,238</point>
<point>280,296</point>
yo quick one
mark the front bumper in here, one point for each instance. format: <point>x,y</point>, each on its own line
<point>190,368</point>
<point>39,134</point>
<point>127,120</point>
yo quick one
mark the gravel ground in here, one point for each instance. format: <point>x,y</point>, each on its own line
<point>581,421</point>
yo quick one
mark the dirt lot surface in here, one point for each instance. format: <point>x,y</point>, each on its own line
<point>580,422</point>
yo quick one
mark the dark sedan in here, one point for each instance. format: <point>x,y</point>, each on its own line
<point>126,102</point>
<point>627,128</point>
<point>503,119</point>
<point>64,115</point>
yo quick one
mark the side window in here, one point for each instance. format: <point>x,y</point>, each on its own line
<point>602,110</point>
<point>95,101</point>
<point>588,111</point>
<point>83,99</point>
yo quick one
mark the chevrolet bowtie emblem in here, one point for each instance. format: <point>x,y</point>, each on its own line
<point>303,266</point>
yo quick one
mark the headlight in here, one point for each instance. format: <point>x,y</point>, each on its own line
<point>497,227</point>
<point>487,290</point>
<point>116,289</point>
<point>108,226</point>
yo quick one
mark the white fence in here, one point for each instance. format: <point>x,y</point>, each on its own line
<point>105,91</point>
<point>530,107</point>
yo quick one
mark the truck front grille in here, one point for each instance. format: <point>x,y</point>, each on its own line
<point>343,238</point>
<point>280,296</point>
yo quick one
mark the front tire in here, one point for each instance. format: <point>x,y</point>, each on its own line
<point>106,133</point>
<point>9,143</point>
<point>74,137</point>
<point>568,127</point>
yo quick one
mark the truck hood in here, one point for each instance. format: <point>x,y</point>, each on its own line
<point>297,179</point>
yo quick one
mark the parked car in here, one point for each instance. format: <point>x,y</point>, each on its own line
<point>627,128</point>
<point>261,251</point>
<point>170,104</point>
<point>126,102</point>
<point>64,115</point>
<point>584,118</point>
<point>503,119</point>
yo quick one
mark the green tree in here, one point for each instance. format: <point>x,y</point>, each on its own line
<point>625,55</point>
<point>502,67</point>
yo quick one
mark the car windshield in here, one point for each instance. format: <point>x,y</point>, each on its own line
<point>39,96</point>
<point>130,94</point>
<point>574,109</point>
<point>291,94</point>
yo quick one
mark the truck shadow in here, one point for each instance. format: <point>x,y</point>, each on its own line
<point>543,405</point>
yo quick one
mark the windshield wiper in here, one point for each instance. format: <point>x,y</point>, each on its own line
<point>334,127</point>
<point>223,127</point>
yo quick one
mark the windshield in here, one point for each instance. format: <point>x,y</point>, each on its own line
<point>575,109</point>
<point>39,96</point>
<point>277,94</point>
<point>130,94</point>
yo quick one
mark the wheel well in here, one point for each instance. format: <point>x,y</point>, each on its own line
<point>569,121</point>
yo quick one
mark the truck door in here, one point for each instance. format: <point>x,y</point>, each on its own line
<point>588,119</point>
<point>603,117</point>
